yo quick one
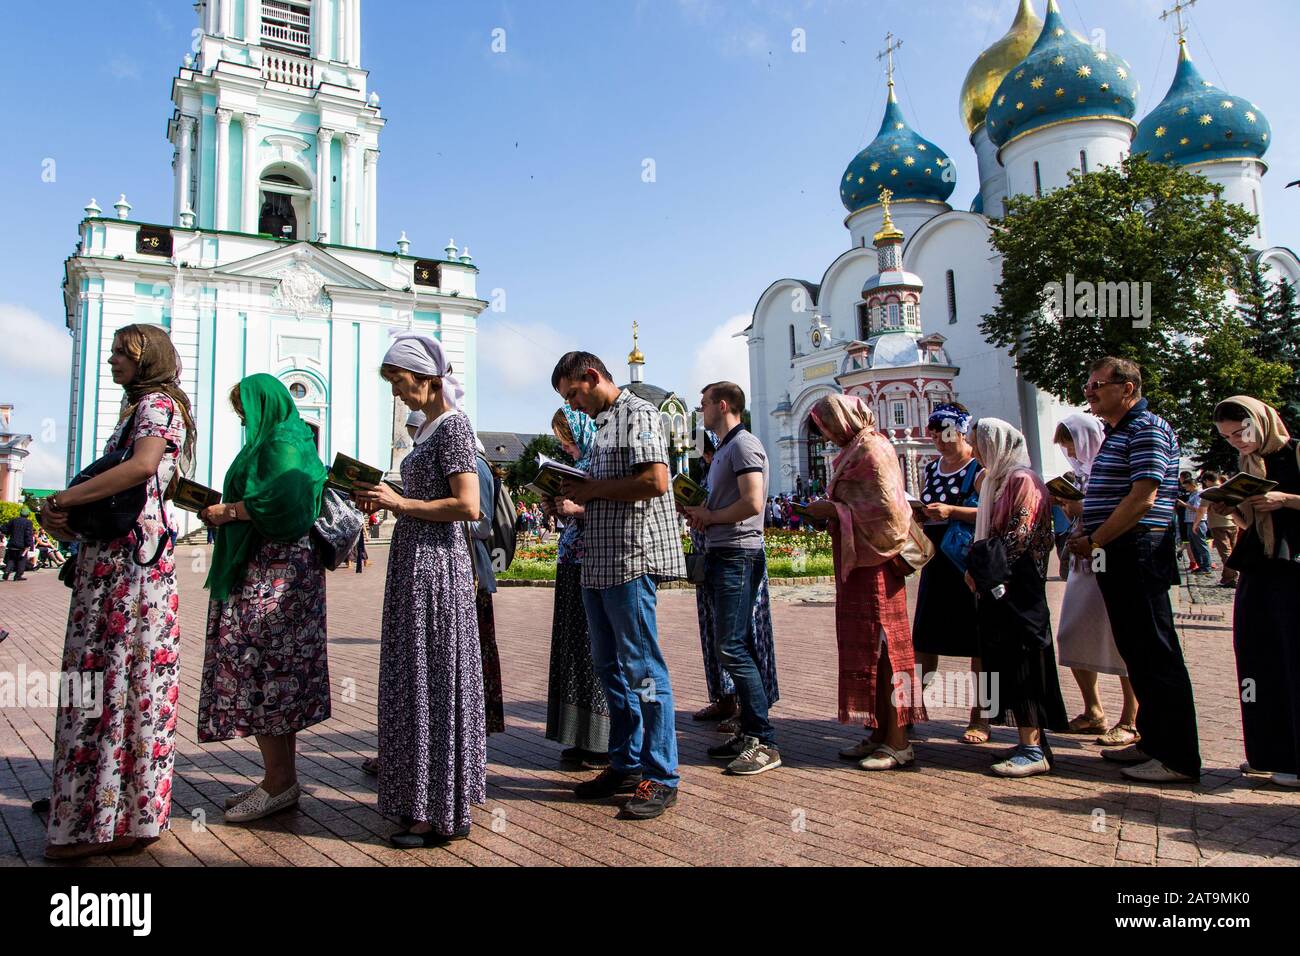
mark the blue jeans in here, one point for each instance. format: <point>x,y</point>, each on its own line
<point>733,577</point>
<point>1195,535</point>
<point>625,651</point>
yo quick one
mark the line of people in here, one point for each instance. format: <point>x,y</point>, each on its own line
<point>610,699</point>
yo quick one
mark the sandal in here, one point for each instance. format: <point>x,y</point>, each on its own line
<point>1121,735</point>
<point>370,766</point>
<point>1083,724</point>
<point>976,734</point>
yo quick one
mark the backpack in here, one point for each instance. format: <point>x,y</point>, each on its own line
<point>501,546</point>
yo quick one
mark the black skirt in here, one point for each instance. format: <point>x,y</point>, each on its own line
<point>945,607</point>
<point>1266,640</point>
<point>577,714</point>
<point>1016,652</point>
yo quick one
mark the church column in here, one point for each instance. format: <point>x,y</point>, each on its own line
<point>341,31</point>
<point>320,19</point>
<point>323,139</point>
<point>183,166</point>
<point>356,33</point>
<point>220,219</point>
<point>369,225</point>
<point>252,21</point>
<point>227,17</point>
<point>350,141</point>
<point>252,177</point>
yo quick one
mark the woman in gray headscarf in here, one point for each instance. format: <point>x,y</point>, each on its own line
<point>432,732</point>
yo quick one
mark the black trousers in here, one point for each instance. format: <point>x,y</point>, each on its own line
<point>1266,639</point>
<point>15,563</point>
<point>1140,568</point>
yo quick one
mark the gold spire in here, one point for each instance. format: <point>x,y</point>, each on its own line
<point>888,231</point>
<point>989,69</point>
<point>635,357</point>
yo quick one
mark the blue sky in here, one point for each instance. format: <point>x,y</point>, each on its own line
<point>534,157</point>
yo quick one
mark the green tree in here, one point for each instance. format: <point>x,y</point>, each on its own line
<point>1161,227</point>
<point>524,468</point>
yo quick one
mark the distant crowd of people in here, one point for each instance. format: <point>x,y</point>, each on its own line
<point>980,536</point>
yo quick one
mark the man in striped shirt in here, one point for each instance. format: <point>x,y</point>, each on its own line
<point>1128,533</point>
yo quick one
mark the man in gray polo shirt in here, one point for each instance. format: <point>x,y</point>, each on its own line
<point>732,523</point>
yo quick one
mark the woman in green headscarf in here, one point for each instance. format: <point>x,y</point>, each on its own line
<point>265,672</point>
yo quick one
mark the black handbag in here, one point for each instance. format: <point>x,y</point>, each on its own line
<point>696,567</point>
<point>336,530</point>
<point>116,516</point>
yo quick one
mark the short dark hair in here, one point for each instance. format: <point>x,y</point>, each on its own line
<point>728,392</point>
<point>574,364</point>
<point>1211,476</point>
<point>1123,370</point>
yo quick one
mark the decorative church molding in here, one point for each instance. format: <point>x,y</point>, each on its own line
<point>301,290</point>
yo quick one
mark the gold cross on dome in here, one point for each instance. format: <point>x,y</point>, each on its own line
<point>892,44</point>
<point>1177,13</point>
<point>886,196</point>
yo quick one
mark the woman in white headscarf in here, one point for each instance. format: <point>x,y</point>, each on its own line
<point>1084,642</point>
<point>1008,573</point>
<point>432,730</point>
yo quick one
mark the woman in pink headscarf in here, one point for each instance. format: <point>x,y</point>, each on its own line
<point>869,519</point>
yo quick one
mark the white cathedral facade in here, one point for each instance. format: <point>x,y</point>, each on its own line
<point>269,261</point>
<point>1039,103</point>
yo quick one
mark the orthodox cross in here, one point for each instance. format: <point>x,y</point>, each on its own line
<point>892,44</point>
<point>1177,13</point>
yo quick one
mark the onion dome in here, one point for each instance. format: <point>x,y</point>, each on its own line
<point>1063,79</point>
<point>1197,122</point>
<point>898,159</point>
<point>995,63</point>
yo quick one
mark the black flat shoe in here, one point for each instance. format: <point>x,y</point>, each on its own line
<point>406,840</point>
<point>573,755</point>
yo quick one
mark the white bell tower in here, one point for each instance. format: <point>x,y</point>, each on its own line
<point>274,129</point>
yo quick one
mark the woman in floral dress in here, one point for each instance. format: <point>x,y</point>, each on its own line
<point>265,672</point>
<point>432,728</point>
<point>113,761</point>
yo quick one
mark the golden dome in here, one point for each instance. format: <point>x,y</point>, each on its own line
<point>992,66</point>
<point>636,356</point>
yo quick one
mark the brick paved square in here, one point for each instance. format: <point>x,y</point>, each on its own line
<point>816,811</point>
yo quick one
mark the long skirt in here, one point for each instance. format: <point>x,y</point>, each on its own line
<point>1083,638</point>
<point>870,622</point>
<point>945,607</point>
<point>1016,653</point>
<point>762,644</point>
<point>577,714</point>
<point>1266,639</point>
<point>493,703</point>
<point>265,666</point>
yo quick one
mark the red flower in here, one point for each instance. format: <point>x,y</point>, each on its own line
<point>171,723</point>
<point>101,568</point>
<point>160,750</point>
<point>173,601</point>
<point>165,786</point>
<point>116,623</point>
<point>173,692</point>
<point>162,657</point>
<point>143,801</point>
<point>145,704</point>
<point>122,590</point>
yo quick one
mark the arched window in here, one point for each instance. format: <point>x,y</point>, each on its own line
<point>893,315</point>
<point>1038,181</point>
<point>792,348</point>
<point>1083,161</point>
<point>952,298</point>
<point>864,321</point>
<point>909,313</point>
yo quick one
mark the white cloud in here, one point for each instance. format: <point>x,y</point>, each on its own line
<point>124,68</point>
<point>721,358</point>
<point>34,347</point>
<point>518,357</point>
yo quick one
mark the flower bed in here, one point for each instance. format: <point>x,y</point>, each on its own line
<point>790,554</point>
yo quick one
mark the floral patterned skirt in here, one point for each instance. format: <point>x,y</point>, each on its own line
<point>113,761</point>
<point>265,669</point>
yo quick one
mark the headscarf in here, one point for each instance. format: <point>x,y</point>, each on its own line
<point>1272,436</point>
<point>583,427</point>
<point>158,369</point>
<point>1001,447</point>
<point>949,416</point>
<point>277,475</point>
<point>1088,433</point>
<point>866,485</point>
<point>423,355</point>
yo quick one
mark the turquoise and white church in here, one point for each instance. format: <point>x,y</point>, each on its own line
<point>270,259</point>
<point>1039,103</point>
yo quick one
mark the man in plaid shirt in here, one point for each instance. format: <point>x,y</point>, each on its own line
<point>633,542</point>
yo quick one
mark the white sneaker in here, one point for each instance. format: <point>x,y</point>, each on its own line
<point>261,804</point>
<point>1286,779</point>
<point>1153,771</point>
<point>1018,764</point>
<point>1250,771</point>
<point>887,758</point>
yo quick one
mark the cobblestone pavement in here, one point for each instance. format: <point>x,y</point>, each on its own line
<point>815,810</point>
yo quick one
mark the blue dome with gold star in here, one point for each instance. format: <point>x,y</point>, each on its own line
<point>1197,122</point>
<point>901,159</point>
<point>1063,79</point>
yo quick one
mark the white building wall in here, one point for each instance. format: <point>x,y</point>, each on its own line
<point>909,215</point>
<point>1242,184</point>
<point>1058,149</point>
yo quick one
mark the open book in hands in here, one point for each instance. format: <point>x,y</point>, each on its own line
<point>687,492</point>
<point>551,475</point>
<point>1065,489</point>
<point>1237,489</point>
<point>192,496</point>
<point>346,472</point>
